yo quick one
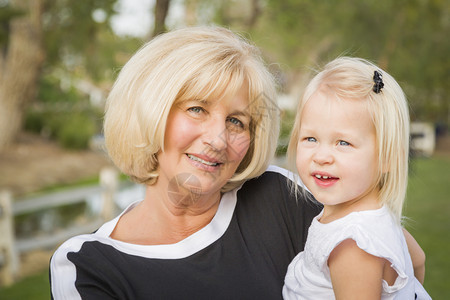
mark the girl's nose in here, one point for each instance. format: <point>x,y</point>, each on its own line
<point>323,155</point>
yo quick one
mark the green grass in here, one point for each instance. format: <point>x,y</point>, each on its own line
<point>35,287</point>
<point>427,207</point>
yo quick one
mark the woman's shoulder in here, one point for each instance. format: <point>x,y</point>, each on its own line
<point>275,176</point>
<point>278,186</point>
<point>282,173</point>
<point>274,181</point>
<point>72,245</point>
<point>278,181</point>
<point>82,254</point>
<point>76,243</point>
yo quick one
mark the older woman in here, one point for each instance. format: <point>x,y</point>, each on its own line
<point>191,116</point>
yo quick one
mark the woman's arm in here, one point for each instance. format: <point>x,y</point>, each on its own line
<point>417,256</point>
<point>355,274</point>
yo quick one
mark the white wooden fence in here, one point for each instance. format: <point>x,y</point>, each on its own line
<point>11,247</point>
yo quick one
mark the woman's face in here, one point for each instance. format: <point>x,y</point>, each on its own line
<point>205,141</point>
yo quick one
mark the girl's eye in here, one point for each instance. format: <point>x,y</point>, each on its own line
<point>311,139</point>
<point>343,143</point>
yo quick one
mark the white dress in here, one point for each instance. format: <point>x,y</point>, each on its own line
<point>374,231</point>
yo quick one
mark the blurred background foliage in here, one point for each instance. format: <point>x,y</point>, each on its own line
<point>408,38</point>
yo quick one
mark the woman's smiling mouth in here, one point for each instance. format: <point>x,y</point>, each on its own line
<point>198,159</point>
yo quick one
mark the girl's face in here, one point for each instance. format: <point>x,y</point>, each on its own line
<point>337,154</point>
<point>205,141</point>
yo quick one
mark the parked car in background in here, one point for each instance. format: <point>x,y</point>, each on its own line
<point>423,139</point>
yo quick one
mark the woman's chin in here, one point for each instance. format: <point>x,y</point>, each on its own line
<point>187,189</point>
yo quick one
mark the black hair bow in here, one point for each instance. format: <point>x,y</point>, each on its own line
<point>378,79</point>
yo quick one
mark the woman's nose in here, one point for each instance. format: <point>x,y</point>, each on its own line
<point>216,134</point>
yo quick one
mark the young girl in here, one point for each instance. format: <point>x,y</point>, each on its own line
<point>351,139</point>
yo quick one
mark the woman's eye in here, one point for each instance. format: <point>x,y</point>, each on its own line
<point>236,122</point>
<point>343,143</point>
<point>195,109</point>
<point>311,139</point>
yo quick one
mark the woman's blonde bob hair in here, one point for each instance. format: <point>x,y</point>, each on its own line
<point>185,64</point>
<point>352,78</point>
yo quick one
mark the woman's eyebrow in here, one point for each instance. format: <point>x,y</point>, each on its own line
<point>193,101</point>
<point>244,113</point>
<point>199,100</point>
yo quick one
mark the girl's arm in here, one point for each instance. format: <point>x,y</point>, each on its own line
<point>355,274</point>
<point>417,256</point>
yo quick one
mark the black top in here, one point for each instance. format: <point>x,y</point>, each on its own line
<point>242,254</point>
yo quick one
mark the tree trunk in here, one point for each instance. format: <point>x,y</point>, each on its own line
<point>256,12</point>
<point>190,14</point>
<point>20,68</point>
<point>161,10</point>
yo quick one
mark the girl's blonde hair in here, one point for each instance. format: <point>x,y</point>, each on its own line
<point>189,63</point>
<point>352,78</point>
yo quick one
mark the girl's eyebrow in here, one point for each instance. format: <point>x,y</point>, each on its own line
<point>306,128</point>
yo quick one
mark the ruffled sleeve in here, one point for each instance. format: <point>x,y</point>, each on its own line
<point>374,232</point>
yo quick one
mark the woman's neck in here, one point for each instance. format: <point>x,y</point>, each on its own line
<point>160,220</point>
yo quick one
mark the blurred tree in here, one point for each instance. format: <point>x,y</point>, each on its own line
<point>77,35</point>
<point>161,11</point>
<point>242,15</point>
<point>20,63</point>
<point>71,35</point>
<point>408,38</point>
<point>6,14</point>
<point>191,7</point>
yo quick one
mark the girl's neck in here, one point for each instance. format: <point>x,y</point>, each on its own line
<point>338,211</point>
